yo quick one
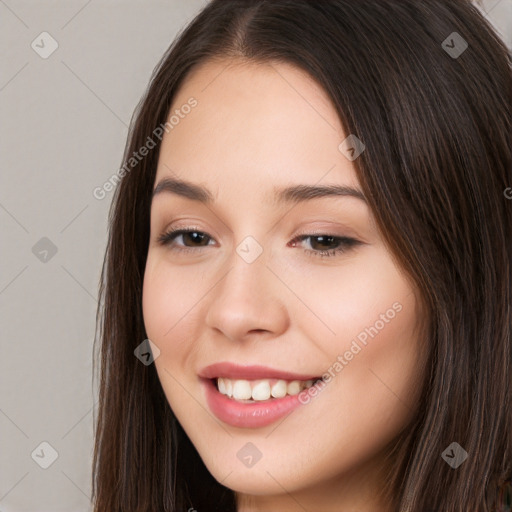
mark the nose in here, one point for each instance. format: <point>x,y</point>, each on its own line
<point>247,301</point>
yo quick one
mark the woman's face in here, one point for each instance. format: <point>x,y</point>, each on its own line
<point>250,298</point>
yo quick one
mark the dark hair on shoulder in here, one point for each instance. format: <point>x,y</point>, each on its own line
<point>438,160</point>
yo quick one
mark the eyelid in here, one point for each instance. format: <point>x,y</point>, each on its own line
<point>323,231</point>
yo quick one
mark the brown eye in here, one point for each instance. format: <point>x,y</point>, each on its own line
<point>341,244</point>
<point>197,238</point>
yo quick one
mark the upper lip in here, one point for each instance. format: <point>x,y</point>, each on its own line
<point>235,371</point>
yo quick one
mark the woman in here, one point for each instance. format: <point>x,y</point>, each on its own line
<point>306,291</point>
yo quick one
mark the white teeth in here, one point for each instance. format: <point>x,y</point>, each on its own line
<point>294,387</point>
<point>225,386</point>
<point>261,389</point>
<point>229,387</point>
<point>242,390</point>
<point>222,386</point>
<point>279,389</point>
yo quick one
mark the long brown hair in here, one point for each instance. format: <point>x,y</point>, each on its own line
<point>435,117</point>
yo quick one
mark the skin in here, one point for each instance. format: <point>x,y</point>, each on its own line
<point>259,126</point>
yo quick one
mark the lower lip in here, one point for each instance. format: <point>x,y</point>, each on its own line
<point>248,415</point>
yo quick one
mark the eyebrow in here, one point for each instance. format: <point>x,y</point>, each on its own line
<point>292,194</point>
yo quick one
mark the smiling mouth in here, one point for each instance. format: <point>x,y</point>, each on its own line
<point>251,391</point>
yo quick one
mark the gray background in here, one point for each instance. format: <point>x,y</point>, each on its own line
<point>64,121</point>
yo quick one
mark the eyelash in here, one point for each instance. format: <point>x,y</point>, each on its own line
<point>345,243</point>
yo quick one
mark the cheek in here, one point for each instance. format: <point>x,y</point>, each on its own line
<point>365,298</point>
<point>366,323</point>
<point>167,306</point>
<point>168,299</point>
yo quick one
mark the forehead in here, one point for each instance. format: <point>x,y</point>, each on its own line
<point>256,126</point>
